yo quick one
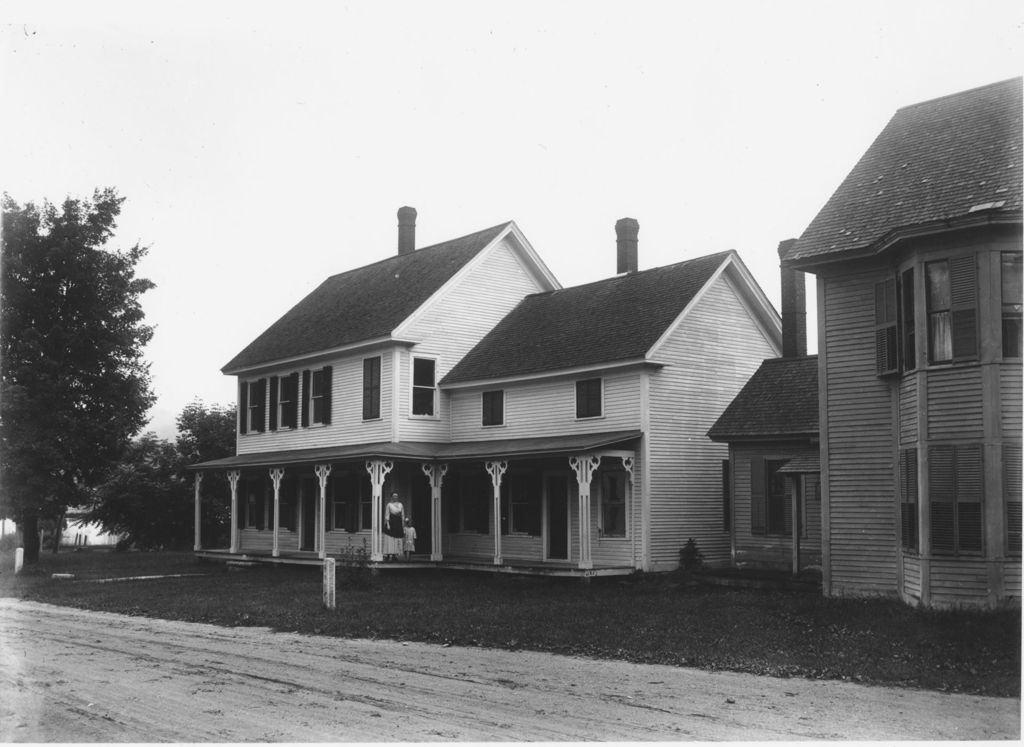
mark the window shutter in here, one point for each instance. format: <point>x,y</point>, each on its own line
<point>941,485</point>
<point>305,399</point>
<point>969,490</point>
<point>273,402</point>
<point>908,498</point>
<point>1012,496</point>
<point>963,282</point>
<point>243,406</point>
<point>327,394</point>
<point>261,410</point>
<point>757,496</point>
<point>886,335</point>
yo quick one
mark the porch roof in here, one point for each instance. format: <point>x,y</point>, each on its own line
<point>428,450</point>
<point>801,465</point>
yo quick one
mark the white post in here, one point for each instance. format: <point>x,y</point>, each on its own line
<point>329,585</point>
<point>378,470</point>
<point>435,473</point>
<point>19,559</point>
<point>584,467</point>
<point>198,513</point>
<point>496,470</point>
<point>322,472</point>
<point>233,477</point>
<point>276,474</point>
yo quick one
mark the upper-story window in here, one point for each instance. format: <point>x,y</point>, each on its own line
<point>951,303</point>
<point>493,406</point>
<point>1011,300</point>
<point>588,398</point>
<point>371,388</point>
<point>424,386</point>
<point>316,396</point>
<point>252,396</point>
<point>284,401</point>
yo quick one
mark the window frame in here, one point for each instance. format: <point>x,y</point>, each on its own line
<point>955,488</point>
<point>585,398</point>
<point>497,418</point>
<point>604,503</point>
<point>287,402</point>
<point>256,398</point>
<point>434,413</point>
<point>524,503</point>
<point>1011,311</point>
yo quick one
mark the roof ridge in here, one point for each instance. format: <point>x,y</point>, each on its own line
<point>957,94</point>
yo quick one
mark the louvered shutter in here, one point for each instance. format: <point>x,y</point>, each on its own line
<point>304,404</point>
<point>328,372</point>
<point>942,498</point>
<point>886,333</point>
<point>757,496</point>
<point>970,479</point>
<point>963,282</point>
<point>1012,496</point>
<point>274,389</point>
<point>243,406</point>
<point>908,498</point>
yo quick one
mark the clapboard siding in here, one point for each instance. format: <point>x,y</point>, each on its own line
<point>548,408</point>
<point>451,325</point>
<point>1010,399</point>
<point>347,425</point>
<point>908,411</point>
<point>1012,579</point>
<point>857,424</point>
<point>955,403</point>
<point>956,581</point>
<point>912,577</point>
<point>710,355</point>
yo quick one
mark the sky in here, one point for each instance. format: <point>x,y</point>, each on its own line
<point>262,150</point>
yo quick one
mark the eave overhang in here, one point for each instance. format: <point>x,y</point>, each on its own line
<point>554,373</point>
<point>320,355</point>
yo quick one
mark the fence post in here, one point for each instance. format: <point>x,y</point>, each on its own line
<point>19,559</point>
<point>329,590</point>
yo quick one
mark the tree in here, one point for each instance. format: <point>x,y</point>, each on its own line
<point>206,433</point>
<point>75,387</point>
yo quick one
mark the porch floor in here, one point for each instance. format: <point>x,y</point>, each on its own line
<point>450,562</point>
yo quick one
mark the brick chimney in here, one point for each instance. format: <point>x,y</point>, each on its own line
<point>794,306</point>
<point>406,230</point>
<point>626,231</point>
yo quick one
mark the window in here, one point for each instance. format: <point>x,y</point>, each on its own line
<point>371,388</point>
<point>613,505</point>
<point>951,304</point>
<point>346,497</point>
<point>955,486</point>
<point>475,496</point>
<point>588,398</point>
<point>251,405</point>
<point>424,386</point>
<point>316,396</point>
<point>284,401</point>
<point>886,335</point>
<point>288,504</point>
<point>1012,496</point>
<point>770,508</point>
<point>908,337</point>
<point>908,499</point>
<point>1011,299</point>
<point>254,494</point>
<point>493,407</point>
<point>521,504</point>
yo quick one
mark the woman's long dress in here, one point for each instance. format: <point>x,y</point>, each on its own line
<point>394,524</point>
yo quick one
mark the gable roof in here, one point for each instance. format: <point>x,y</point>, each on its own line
<point>363,304</point>
<point>610,320</point>
<point>779,400</point>
<point>953,158</point>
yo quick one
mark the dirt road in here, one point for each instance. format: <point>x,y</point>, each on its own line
<point>74,676</point>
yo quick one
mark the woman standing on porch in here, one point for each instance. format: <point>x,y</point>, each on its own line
<point>394,527</point>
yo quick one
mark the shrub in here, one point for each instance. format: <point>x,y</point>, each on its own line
<point>690,556</point>
<point>353,569</point>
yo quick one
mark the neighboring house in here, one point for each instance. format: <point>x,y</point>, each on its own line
<point>522,425</point>
<point>771,479</point>
<point>918,264</point>
<point>80,532</point>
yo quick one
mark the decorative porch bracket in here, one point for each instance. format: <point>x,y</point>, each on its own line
<point>276,475</point>
<point>233,476</point>
<point>322,472</point>
<point>435,472</point>
<point>627,464</point>
<point>378,470</point>
<point>496,470</point>
<point>584,467</point>
<point>199,516</point>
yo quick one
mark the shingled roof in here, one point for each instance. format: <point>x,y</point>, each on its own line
<point>780,400</point>
<point>603,322</point>
<point>953,158</point>
<point>362,304</point>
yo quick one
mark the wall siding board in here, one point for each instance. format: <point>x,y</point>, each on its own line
<point>1010,400</point>
<point>955,403</point>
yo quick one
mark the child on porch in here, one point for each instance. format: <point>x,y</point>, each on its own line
<point>409,544</point>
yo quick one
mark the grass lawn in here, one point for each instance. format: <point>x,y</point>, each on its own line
<point>654,619</point>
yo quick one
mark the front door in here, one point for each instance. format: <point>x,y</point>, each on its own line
<point>307,533</point>
<point>422,515</point>
<point>556,496</point>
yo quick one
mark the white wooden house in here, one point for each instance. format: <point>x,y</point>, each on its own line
<point>522,425</point>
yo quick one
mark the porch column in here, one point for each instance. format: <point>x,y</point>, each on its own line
<point>276,474</point>
<point>496,470</point>
<point>322,472</point>
<point>435,472</point>
<point>584,467</point>
<point>198,512</point>
<point>378,470</point>
<point>233,477</point>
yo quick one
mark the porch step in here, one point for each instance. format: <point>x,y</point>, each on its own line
<point>238,565</point>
